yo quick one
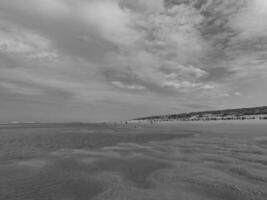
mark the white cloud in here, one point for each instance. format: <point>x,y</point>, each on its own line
<point>183,72</point>
<point>187,85</point>
<point>225,95</point>
<point>238,94</point>
<point>171,76</point>
<point>21,42</point>
<point>175,85</point>
<point>161,55</point>
<point>126,86</point>
<point>207,86</point>
<point>143,5</point>
<point>111,20</point>
<point>174,34</point>
<point>198,73</point>
<point>251,21</point>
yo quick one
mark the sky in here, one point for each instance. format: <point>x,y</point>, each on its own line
<point>108,60</point>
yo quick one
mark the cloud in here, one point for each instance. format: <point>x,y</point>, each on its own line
<point>145,53</point>
<point>172,84</point>
<point>51,7</point>
<point>16,41</point>
<point>177,71</point>
<point>174,36</point>
<point>238,94</point>
<point>144,6</point>
<point>111,20</point>
<point>250,21</point>
<point>162,55</point>
<point>125,86</point>
<point>187,85</point>
<point>45,8</point>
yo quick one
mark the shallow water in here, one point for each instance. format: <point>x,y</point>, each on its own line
<point>162,161</point>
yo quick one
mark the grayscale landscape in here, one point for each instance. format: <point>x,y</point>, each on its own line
<point>133,99</point>
<point>195,161</point>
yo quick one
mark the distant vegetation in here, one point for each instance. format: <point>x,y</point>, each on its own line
<point>228,114</point>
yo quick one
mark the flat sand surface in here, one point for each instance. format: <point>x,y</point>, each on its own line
<point>169,161</point>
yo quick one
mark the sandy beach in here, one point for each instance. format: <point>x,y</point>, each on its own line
<point>167,161</point>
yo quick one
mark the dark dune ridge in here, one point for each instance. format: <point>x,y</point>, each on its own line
<point>224,161</point>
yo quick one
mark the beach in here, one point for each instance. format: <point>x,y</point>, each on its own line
<point>167,161</point>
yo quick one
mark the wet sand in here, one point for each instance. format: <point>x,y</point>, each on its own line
<point>186,161</point>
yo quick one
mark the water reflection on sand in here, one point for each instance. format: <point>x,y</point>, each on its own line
<point>174,161</point>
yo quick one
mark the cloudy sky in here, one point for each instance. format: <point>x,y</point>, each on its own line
<point>95,60</point>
